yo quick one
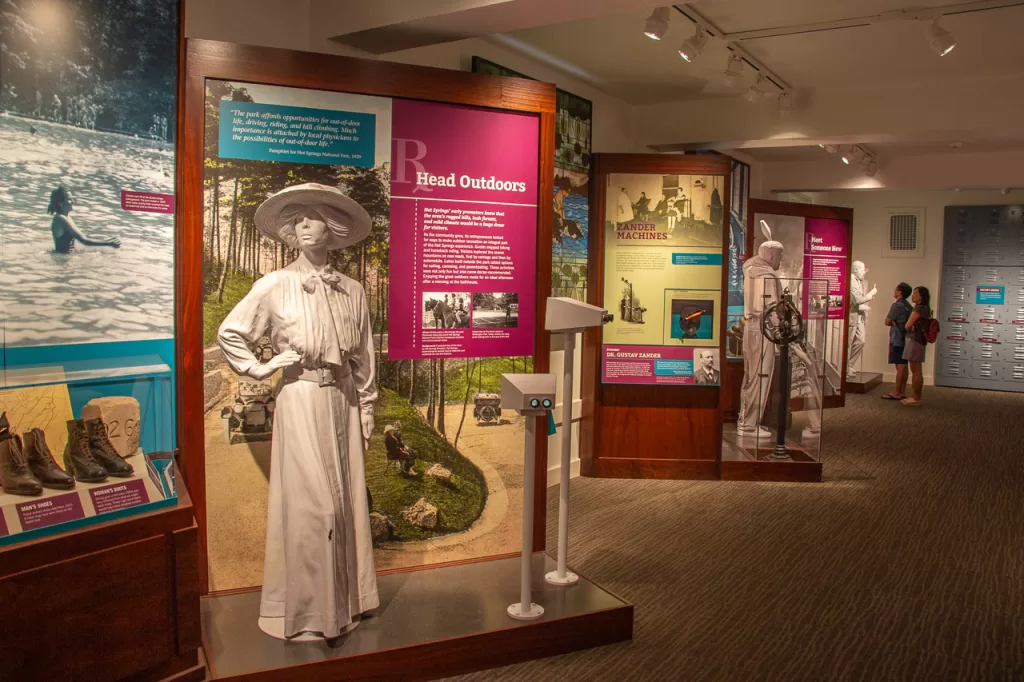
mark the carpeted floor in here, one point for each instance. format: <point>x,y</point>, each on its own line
<point>906,564</point>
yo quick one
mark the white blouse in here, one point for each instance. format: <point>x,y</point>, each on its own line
<point>319,313</point>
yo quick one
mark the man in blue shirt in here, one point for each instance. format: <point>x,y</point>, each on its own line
<point>896,321</point>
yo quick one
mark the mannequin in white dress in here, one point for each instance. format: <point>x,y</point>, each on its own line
<point>319,574</point>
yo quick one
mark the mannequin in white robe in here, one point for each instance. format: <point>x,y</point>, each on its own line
<point>760,289</point>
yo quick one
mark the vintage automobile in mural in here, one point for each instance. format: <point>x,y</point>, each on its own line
<point>486,408</point>
<point>250,416</point>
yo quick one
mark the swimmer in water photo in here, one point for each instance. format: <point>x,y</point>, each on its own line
<point>64,230</point>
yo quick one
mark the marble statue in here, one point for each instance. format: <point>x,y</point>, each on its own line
<point>319,574</point>
<point>859,309</point>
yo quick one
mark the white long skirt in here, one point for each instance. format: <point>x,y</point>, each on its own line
<point>318,572</point>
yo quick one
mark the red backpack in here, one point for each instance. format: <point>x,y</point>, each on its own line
<point>930,329</point>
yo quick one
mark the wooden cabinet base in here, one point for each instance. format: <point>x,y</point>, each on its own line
<point>796,472</point>
<point>679,469</point>
<point>118,600</point>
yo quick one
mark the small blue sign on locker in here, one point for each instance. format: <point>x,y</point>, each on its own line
<point>991,294</point>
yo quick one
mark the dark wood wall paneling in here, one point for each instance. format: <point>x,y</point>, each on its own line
<point>648,431</point>
<point>116,600</point>
<point>272,66</point>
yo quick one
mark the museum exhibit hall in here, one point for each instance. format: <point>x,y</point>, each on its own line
<point>499,340</point>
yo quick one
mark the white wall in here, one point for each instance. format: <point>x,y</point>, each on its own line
<point>899,172</point>
<point>870,234</point>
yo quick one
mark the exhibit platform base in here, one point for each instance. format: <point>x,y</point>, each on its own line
<point>863,382</point>
<point>744,459</point>
<point>431,623</point>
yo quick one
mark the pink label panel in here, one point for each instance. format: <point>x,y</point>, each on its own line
<point>50,511</point>
<point>118,496</point>
<point>664,365</point>
<point>147,202</point>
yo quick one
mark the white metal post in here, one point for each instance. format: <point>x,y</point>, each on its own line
<point>526,609</point>
<point>563,576</point>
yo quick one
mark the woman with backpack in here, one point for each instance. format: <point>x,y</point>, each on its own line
<point>916,341</point>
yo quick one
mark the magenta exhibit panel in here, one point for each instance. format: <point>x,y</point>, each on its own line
<point>463,246</point>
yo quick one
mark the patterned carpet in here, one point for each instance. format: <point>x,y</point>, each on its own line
<point>906,564</point>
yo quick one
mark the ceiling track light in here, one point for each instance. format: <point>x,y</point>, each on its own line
<point>657,23</point>
<point>784,107</point>
<point>941,40</point>
<point>733,71</point>
<point>830,148</point>
<point>693,46</point>
<point>755,93</point>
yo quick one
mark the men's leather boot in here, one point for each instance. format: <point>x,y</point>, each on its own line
<point>78,459</point>
<point>42,463</point>
<point>103,450</point>
<point>15,476</point>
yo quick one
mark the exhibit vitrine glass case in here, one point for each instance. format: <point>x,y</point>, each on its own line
<point>82,442</point>
<point>818,248</point>
<point>782,400</point>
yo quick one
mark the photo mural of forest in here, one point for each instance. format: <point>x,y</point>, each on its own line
<point>433,400</point>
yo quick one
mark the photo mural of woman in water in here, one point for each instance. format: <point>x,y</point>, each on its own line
<point>65,232</point>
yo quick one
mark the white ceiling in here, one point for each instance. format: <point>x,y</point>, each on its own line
<point>733,16</point>
<point>885,150</point>
<point>634,68</point>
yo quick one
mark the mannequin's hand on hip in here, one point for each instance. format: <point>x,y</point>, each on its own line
<point>265,369</point>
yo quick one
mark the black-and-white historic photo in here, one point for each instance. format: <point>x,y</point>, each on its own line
<point>87,129</point>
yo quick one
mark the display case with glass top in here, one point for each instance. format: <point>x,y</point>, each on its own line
<point>83,441</point>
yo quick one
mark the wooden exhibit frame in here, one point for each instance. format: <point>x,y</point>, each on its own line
<point>788,208</point>
<point>622,425</point>
<point>272,66</point>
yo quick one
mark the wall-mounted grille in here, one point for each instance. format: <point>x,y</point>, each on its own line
<point>906,234</point>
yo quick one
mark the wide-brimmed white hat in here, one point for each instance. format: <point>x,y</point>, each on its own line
<point>352,216</point>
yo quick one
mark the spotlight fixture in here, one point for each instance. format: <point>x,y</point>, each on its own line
<point>733,71</point>
<point>785,102</point>
<point>657,23</point>
<point>830,148</point>
<point>940,39</point>
<point>871,168</point>
<point>694,45</point>
<point>755,92</point>
<point>845,159</point>
<point>857,153</point>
